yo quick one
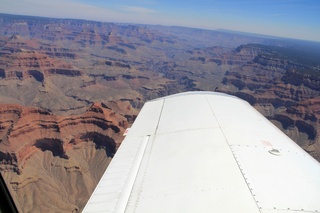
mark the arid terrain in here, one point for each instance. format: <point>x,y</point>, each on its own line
<point>70,88</point>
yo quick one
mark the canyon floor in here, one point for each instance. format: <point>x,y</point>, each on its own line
<point>70,88</point>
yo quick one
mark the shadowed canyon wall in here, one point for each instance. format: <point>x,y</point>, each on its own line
<point>52,163</point>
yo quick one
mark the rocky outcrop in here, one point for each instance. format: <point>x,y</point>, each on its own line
<point>118,64</point>
<point>296,78</point>
<point>69,153</point>
<point>25,64</point>
<point>63,53</point>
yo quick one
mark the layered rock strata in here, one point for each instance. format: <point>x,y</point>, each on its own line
<point>23,64</point>
<point>52,163</point>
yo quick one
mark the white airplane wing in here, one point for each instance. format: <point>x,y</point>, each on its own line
<point>207,152</point>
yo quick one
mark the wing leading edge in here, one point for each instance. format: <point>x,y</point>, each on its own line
<point>207,152</point>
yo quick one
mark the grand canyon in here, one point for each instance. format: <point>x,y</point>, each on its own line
<point>70,88</point>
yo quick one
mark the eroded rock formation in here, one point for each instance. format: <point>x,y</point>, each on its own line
<point>52,163</point>
<point>22,64</point>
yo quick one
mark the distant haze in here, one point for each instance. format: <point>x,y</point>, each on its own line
<point>285,18</point>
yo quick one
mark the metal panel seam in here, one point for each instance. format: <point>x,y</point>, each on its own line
<point>151,143</point>
<point>163,102</point>
<point>230,148</point>
<point>124,196</point>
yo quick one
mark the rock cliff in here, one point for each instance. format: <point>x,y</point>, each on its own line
<point>22,64</point>
<point>52,163</point>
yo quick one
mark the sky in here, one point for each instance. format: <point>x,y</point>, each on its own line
<point>285,18</point>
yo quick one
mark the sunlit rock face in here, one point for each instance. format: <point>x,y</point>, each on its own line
<point>52,163</point>
<point>30,64</point>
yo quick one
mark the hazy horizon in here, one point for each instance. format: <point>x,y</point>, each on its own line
<point>297,19</point>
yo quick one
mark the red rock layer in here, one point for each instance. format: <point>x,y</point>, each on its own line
<point>27,63</point>
<point>38,148</point>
